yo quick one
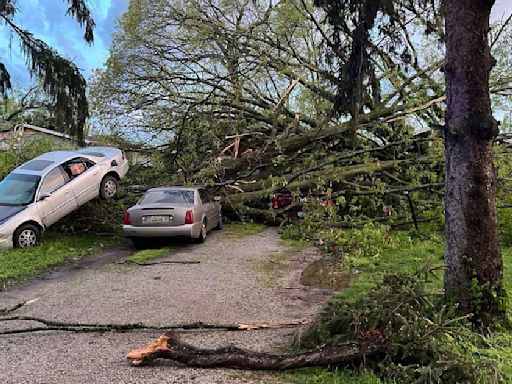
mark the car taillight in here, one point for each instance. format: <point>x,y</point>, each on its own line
<point>126,219</point>
<point>189,217</point>
<point>275,202</point>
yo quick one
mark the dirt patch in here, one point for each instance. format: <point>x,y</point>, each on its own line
<point>326,274</point>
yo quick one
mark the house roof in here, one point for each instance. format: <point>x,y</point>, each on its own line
<point>46,131</point>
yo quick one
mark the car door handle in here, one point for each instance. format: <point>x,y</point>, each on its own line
<point>67,192</point>
<point>95,174</point>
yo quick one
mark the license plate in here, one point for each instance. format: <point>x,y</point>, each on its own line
<point>156,219</point>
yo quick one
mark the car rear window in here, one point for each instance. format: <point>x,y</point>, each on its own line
<point>96,154</point>
<point>168,197</point>
<point>37,165</point>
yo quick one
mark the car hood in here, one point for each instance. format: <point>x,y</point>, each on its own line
<point>8,211</point>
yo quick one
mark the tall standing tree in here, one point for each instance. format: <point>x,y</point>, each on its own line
<point>60,77</point>
<point>473,278</point>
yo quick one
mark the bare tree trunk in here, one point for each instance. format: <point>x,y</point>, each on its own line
<point>474,272</point>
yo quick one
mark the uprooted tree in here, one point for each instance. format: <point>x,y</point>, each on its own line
<point>243,96</point>
<point>257,96</point>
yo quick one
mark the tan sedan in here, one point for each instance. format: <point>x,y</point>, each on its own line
<point>173,211</point>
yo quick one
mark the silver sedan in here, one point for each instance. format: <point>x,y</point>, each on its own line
<point>173,211</point>
<point>49,187</point>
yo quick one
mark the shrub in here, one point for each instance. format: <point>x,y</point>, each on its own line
<point>416,333</point>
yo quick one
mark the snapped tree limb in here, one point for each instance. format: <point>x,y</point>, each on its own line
<point>169,346</point>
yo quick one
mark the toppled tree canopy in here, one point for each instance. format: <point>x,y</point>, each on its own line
<point>241,96</point>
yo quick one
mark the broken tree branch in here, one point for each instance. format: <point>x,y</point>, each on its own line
<point>52,325</point>
<point>142,263</point>
<point>169,346</point>
<point>9,310</point>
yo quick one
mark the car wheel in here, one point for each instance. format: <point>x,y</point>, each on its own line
<point>202,235</point>
<point>26,236</point>
<point>219,224</point>
<point>109,187</point>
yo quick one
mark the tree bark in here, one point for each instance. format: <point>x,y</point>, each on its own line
<point>168,346</point>
<point>473,278</point>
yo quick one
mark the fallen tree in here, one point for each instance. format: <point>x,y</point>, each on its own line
<point>221,113</point>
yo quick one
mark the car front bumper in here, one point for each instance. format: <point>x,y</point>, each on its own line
<point>187,230</point>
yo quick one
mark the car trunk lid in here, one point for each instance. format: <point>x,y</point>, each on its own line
<point>159,214</point>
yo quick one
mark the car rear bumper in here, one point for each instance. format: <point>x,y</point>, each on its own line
<point>188,230</point>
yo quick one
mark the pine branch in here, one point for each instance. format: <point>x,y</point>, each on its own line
<point>79,10</point>
<point>60,78</point>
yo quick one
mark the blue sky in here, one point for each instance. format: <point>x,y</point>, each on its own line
<point>51,24</point>
<point>62,32</point>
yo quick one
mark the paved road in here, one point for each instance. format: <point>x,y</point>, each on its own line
<point>239,280</point>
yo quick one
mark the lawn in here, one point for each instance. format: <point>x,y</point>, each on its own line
<point>408,255</point>
<point>21,264</point>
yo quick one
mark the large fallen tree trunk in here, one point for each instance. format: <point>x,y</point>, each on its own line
<point>169,346</point>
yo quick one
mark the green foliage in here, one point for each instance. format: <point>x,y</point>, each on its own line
<point>335,376</point>
<point>14,157</point>
<point>21,264</point>
<point>370,296</point>
<point>415,332</point>
<point>60,78</point>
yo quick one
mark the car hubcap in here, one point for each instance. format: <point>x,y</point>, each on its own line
<point>27,238</point>
<point>110,188</point>
<point>203,231</point>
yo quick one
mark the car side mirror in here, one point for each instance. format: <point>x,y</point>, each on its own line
<point>44,195</point>
<point>216,198</point>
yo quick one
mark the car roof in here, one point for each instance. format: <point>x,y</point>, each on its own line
<point>53,158</point>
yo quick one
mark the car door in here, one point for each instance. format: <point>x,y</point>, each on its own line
<point>84,177</point>
<point>209,207</point>
<point>56,198</point>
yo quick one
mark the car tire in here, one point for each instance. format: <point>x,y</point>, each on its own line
<point>218,227</point>
<point>109,187</point>
<point>202,235</point>
<point>26,236</point>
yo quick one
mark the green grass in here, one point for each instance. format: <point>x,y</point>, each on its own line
<point>409,255</point>
<point>240,230</point>
<point>337,376</point>
<point>406,256</point>
<point>150,254</point>
<point>21,264</point>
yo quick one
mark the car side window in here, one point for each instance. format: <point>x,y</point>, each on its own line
<point>54,180</point>
<point>77,166</point>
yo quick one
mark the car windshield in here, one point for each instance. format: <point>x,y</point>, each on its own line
<point>18,189</point>
<point>168,196</point>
